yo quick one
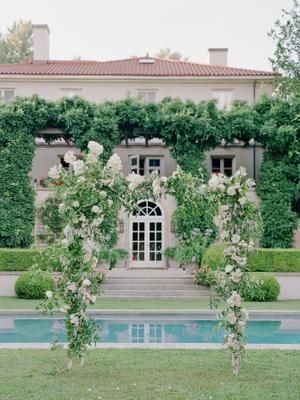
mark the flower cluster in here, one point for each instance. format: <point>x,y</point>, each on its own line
<point>237,223</point>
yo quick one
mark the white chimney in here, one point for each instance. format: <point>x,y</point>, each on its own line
<point>218,56</point>
<point>40,44</point>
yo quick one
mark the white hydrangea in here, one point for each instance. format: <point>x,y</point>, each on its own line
<point>216,182</point>
<point>78,167</point>
<point>91,158</point>
<point>234,300</point>
<point>231,191</point>
<point>134,180</point>
<point>70,157</point>
<point>115,163</point>
<point>95,148</point>
<point>156,187</point>
<point>54,172</point>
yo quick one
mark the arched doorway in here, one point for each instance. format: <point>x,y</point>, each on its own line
<point>147,236</point>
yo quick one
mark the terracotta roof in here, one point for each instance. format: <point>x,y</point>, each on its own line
<point>141,66</point>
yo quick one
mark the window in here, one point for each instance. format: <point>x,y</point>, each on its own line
<point>223,165</point>
<point>144,165</point>
<point>147,96</point>
<point>224,97</point>
<point>7,95</point>
<point>70,92</point>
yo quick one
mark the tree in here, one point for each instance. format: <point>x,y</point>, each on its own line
<point>16,45</point>
<point>286,60</point>
<point>169,55</point>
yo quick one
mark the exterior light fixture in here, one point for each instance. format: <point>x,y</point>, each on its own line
<point>121,226</point>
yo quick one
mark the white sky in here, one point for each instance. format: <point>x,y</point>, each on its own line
<point>113,29</point>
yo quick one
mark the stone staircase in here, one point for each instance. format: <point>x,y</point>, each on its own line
<point>172,283</point>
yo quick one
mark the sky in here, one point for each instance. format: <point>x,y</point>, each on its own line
<point>115,29</point>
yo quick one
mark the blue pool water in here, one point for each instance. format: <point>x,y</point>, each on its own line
<point>41,330</point>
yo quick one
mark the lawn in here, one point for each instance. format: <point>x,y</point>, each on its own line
<point>149,375</point>
<point>153,304</point>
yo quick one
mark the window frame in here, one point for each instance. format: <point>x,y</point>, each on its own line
<point>222,166</point>
<point>146,169</point>
<point>3,91</point>
<point>226,105</point>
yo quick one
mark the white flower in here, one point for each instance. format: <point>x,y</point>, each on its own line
<point>235,238</point>
<point>156,187</point>
<point>103,194</point>
<point>241,326</point>
<point>229,251</point>
<point>78,167</point>
<point>115,163</point>
<point>218,221</point>
<point>244,313</point>
<point>97,221</point>
<point>224,235</point>
<point>202,188</point>
<point>69,233</point>
<point>231,191</point>
<point>81,179</point>
<point>91,158</point>
<point>49,294</point>
<point>236,276</point>
<point>86,283</point>
<point>65,243</point>
<point>70,157</point>
<point>242,172</point>
<point>75,204</point>
<point>234,300</point>
<point>242,200</point>
<point>231,318</point>
<point>239,260</point>
<point>134,180</point>
<point>61,208</point>
<point>88,247</point>
<point>72,287</point>
<point>74,320</point>
<point>54,172</point>
<point>229,268</point>
<point>224,208</point>
<point>96,209</point>
<point>110,202</point>
<point>95,148</point>
<point>93,299</point>
<point>215,181</point>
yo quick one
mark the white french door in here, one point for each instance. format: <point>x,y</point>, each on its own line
<point>146,237</point>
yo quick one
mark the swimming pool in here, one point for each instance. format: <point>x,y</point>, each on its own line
<point>145,330</point>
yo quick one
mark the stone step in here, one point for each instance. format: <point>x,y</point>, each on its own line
<point>144,295</point>
<point>154,292</point>
<point>140,281</point>
<point>146,286</point>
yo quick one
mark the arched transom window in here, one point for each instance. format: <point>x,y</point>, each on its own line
<point>147,208</point>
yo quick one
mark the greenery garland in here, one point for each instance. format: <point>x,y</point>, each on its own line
<point>187,128</point>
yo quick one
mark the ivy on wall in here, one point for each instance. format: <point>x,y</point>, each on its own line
<point>187,128</point>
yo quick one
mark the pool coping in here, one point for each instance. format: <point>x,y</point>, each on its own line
<point>155,346</point>
<point>165,313</point>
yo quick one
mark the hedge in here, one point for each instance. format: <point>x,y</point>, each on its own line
<point>261,260</point>
<point>34,284</point>
<point>17,259</point>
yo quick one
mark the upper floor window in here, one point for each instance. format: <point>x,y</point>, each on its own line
<point>223,165</point>
<point>7,95</point>
<point>224,97</point>
<point>147,96</point>
<point>144,165</point>
<point>70,92</point>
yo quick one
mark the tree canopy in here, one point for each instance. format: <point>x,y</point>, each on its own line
<point>16,44</point>
<point>168,54</point>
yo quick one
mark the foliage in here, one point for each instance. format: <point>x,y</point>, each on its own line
<point>34,284</point>
<point>285,34</point>
<point>112,256</point>
<point>167,53</point>
<point>263,260</point>
<point>204,276</point>
<point>51,218</point>
<point>187,128</point>
<point>16,44</point>
<point>17,259</point>
<point>267,289</point>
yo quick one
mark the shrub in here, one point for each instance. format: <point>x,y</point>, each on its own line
<point>112,256</point>
<point>34,284</point>
<point>261,260</point>
<point>18,259</point>
<point>204,276</point>
<point>267,289</point>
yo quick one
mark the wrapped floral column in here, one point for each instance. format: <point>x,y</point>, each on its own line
<point>238,225</point>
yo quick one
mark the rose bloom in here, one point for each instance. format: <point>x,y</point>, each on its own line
<point>235,238</point>
<point>231,191</point>
<point>86,283</point>
<point>75,204</point>
<point>74,319</point>
<point>95,148</point>
<point>236,276</point>
<point>96,209</point>
<point>228,268</point>
<point>234,300</point>
<point>242,200</point>
<point>231,318</point>
<point>49,294</point>
<point>70,157</point>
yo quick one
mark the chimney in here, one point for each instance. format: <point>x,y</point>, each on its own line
<point>218,56</point>
<point>40,44</point>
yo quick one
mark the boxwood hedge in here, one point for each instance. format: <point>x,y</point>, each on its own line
<point>17,259</point>
<point>261,260</point>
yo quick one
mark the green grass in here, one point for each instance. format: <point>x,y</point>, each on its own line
<point>154,304</point>
<point>149,375</point>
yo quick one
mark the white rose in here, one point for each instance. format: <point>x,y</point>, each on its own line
<point>93,299</point>
<point>65,243</point>
<point>54,172</point>
<point>242,200</point>
<point>49,294</point>
<point>70,157</point>
<point>74,320</point>
<point>229,268</point>
<point>86,283</point>
<point>234,300</point>
<point>69,233</point>
<point>241,326</point>
<point>236,276</point>
<point>231,191</point>
<point>75,204</point>
<point>235,238</point>
<point>231,318</point>
<point>96,209</point>
<point>103,194</point>
<point>95,148</point>
<point>78,167</point>
<point>61,208</point>
<point>115,163</point>
<point>97,221</point>
<point>218,221</point>
<point>72,287</point>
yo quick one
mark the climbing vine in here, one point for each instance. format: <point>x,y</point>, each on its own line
<point>187,128</point>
